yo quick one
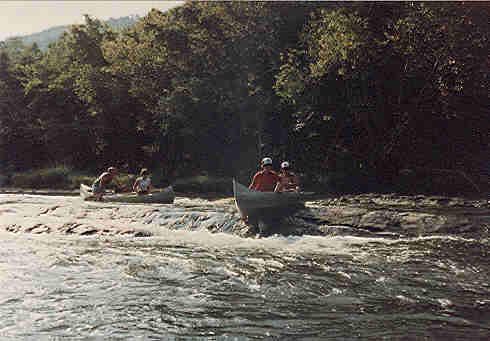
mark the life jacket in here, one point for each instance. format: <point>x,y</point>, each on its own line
<point>289,181</point>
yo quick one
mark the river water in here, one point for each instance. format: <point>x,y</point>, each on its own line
<point>186,282</point>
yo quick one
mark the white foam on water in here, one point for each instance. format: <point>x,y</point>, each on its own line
<point>338,245</point>
<point>56,212</point>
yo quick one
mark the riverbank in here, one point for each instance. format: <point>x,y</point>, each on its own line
<point>65,181</point>
<point>31,191</point>
<point>76,192</point>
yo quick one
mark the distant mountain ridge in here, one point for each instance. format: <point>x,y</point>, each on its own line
<point>50,35</point>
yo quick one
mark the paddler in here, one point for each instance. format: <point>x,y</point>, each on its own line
<point>288,180</point>
<point>99,185</point>
<point>142,185</point>
<point>266,179</point>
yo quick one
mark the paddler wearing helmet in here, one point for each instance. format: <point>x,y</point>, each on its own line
<point>266,179</point>
<point>288,180</point>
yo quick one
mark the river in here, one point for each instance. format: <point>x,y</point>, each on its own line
<point>194,277</point>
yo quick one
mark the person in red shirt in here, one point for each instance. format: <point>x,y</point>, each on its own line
<point>266,179</point>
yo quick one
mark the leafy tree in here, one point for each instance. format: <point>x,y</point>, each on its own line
<point>20,138</point>
<point>64,128</point>
<point>382,78</point>
<point>198,69</point>
<point>350,87</point>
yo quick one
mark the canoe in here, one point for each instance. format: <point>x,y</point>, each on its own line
<point>252,203</point>
<point>166,196</point>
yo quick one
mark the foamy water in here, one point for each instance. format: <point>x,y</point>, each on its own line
<point>187,283</point>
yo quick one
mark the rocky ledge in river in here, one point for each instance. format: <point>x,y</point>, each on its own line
<point>391,214</point>
<point>377,215</point>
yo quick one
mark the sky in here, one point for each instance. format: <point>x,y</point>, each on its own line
<point>19,18</point>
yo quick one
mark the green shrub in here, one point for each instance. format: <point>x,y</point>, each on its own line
<point>127,181</point>
<point>4,180</point>
<point>62,178</point>
<point>158,178</point>
<point>204,184</point>
<point>78,179</point>
<point>65,178</point>
<point>55,178</point>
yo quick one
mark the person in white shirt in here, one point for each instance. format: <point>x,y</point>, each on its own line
<point>142,185</point>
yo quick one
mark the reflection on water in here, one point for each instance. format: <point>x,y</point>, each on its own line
<point>190,284</point>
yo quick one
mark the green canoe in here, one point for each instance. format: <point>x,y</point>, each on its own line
<point>166,196</point>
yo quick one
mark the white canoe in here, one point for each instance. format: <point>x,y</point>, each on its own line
<point>252,203</point>
<point>166,196</point>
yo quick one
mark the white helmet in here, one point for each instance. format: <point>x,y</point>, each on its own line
<point>285,164</point>
<point>266,161</point>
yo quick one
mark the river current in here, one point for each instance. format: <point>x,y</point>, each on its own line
<point>186,281</point>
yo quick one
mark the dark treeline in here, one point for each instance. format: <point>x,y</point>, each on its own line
<point>347,91</point>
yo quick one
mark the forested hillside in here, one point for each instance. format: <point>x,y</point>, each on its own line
<point>44,38</point>
<point>361,95</point>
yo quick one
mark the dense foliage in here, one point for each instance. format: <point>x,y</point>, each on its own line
<point>344,90</point>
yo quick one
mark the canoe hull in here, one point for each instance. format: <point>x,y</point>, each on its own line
<point>252,203</point>
<point>166,196</point>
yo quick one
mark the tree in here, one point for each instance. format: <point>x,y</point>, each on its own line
<point>20,137</point>
<point>384,78</point>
